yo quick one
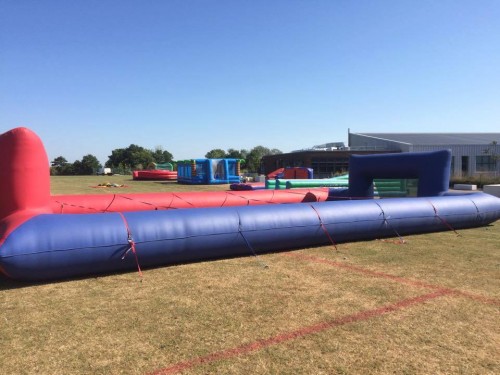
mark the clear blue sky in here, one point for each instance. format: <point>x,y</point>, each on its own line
<point>193,75</point>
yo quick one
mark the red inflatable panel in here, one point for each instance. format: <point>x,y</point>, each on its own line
<point>296,173</point>
<point>24,178</point>
<point>158,174</point>
<point>72,204</point>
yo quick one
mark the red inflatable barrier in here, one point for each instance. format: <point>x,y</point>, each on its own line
<point>72,204</point>
<point>158,174</point>
<point>24,179</point>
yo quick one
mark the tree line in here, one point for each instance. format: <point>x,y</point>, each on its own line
<point>134,157</point>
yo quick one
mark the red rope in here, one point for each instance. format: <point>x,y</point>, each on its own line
<point>443,220</point>
<point>386,222</point>
<point>324,228</point>
<point>131,242</point>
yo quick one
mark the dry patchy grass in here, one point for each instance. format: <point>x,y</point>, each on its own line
<point>88,185</point>
<point>320,310</point>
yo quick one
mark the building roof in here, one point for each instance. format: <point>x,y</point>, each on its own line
<point>438,138</point>
<point>324,147</point>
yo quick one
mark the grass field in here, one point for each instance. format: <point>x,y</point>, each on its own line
<point>429,306</point>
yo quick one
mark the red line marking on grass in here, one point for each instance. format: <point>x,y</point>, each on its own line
<point>301,332</point>
<point>402,280</point>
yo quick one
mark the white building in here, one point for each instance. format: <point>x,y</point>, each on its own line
<point>473,154</point>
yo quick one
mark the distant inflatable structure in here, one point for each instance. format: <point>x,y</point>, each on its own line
<point>208,171</point>
<point>156,171</point>
<point>432,169</point>
<point>119,233</point>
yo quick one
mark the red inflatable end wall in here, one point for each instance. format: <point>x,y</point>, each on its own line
<point>24,179</point>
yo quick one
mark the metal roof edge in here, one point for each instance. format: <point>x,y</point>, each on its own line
<point>383,139</point>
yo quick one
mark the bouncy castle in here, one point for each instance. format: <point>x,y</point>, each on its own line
<point>44,237</point>
<point>208,171</point>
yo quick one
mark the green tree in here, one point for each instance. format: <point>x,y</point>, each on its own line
<point>129,158</point>
<point>90,164</point>
<point>58,165</point>
<point>255,155</point>
<point>235,154</point>
<point>116,158</point>
<point>60,161</point>
<point>141,158</point>
<point>77,168</point>
<point>161,156</point>
<point>216,153</point>
<point>87,166</point>
<point>68,170</point>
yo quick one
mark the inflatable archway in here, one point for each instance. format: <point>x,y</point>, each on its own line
<point>432,169</point>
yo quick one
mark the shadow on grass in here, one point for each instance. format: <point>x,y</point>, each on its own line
<point>8,284</point>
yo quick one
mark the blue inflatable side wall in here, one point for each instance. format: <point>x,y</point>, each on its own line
<point>432,169</point>
<point>96,243</point>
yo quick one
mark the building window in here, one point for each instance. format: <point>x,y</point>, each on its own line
<point>329,167</point>
<point>465,165</point>
<point>485,163</point>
